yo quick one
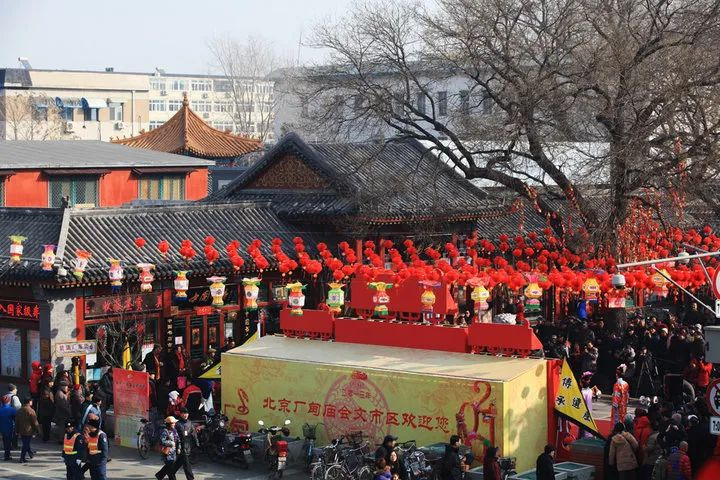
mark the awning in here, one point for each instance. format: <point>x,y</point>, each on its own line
<point>6,173</point>
<point>75,171</point>
<point>93,103</point>
<point>68,102</point>
<point>154,170</point>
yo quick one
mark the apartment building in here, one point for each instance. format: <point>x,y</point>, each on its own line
<point>71,105</point>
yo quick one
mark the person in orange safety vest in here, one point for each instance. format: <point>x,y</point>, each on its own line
<point>97,450</point>
<point>73,451</point>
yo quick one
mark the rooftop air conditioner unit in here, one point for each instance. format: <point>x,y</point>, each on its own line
<point>163,93</point>
<point>69,127</point>
<point>119,125</point>
<point>206,115</point>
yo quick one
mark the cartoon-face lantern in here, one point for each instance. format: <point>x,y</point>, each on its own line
<point>250,286</point>
<point>146,276</point>
<point>48,257</point>
<point>335,297</point>
<point>533,293</point>
<point>217,290</point>
<point>296,298</point>
<point>479,294</point>
<point>591,289</point>
<point>381,297</point>
<point>82,258</point>
<point>115,275</point>
<point>181,284</point>
<point>427,298</point>
<point>660,283</point>
<point>16,247</point>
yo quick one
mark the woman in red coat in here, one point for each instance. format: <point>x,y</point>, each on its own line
<point>491,467</point>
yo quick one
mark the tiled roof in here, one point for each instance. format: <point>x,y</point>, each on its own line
<point>40,226</point>
<point>187,134</point>
<point>380,181</point>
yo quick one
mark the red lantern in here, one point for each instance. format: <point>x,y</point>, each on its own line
<point>140,242</point>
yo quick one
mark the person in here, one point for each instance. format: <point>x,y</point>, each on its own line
<point>14,399</point>
<point>76,404</point>
<point>620,395</point>
<point>544,469</point>
<point>62,404</point>
<point>491,467</point>
<point>678,464</point>
<point>7,425</point>
<point>587,394</point>
<point>94,410</point>
<point>46,408</point>
<point>651,452</point>
<point>73,452</point>
<point>86,403</point>
<point>388,445</point>
<point>152,361</point>
<point>97,450</point>
<point>622,455</point>
<point>188,441</point>
<point>466,462</point>
<point>659,471</point>
<point>451,468</point>
<point>170,445</point>
<point>382,470</point>
<point>394,463</point>
<point>34,382</point>
<point>26,425</point>
<point>175,403</point>
<point>703,374</point>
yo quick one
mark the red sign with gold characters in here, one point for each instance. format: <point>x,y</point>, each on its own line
<point>19,310</point>
<point>117,304</point>
<point>134,400</point>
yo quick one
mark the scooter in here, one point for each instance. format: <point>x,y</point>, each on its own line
<point>223,446</point>
<point>276,449</point>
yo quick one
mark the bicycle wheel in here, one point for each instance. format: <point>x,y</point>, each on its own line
<point>143,445</point>
<point>317,472</point>
<point>335,472</point>
<point>365,473</point>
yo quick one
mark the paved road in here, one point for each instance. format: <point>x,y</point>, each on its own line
<point>127,464</point>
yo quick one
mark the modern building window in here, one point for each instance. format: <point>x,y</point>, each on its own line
<point>442,103</point>
<point>223,85</point>
<point>162,187</point>
<point>116,112</point>
<point>157,105</point>
<point>81,191</point>
<point>174,105</point>
<point>91,114</point>
<point>155,124</point>
<point>157,83</point>
<point>421,102</point>
<point>223,107</point>
<point>66,113</point>
<point>201,106</point>
<point>40,113</point>
<point>178,84</point>
<point>224,126</point>
<point>464,101</point>
<point>201,85</point>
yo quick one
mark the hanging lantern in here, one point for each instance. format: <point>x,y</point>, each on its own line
<point>48,257</point>
<point>296,298</point>
<point>146,276</point>
<point>660,283</point>
<point>427,297</point>
<point>533,293</point>
<point>335,298</point>
<point>591,289</point>
<point>252,289</point>
<point>82,258</point>
<point>217,290</point>
<point>479,295</point>
<point>16,247</point>
<point>181,284</point>
<point>381,297</point>
<point>115,275</point>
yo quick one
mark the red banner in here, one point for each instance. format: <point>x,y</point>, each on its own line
<point>21,310</point>
<point>131,393</point>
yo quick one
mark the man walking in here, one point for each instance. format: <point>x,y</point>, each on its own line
<point>73,452</point>
<point>7,425</point>
<point>451,468</point>
<point>93,410</point>
<point>544,469</point>
<point>97,449</point>
<point>26,424</point>
<point>188,441</point>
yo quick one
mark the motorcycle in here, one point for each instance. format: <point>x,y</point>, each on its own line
<point>276,449</point>
<point>221,445</point>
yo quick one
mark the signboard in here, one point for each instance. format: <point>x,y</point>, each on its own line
<point>715,425</point>
<point>716,283</point>
<point>713,397</point>
<point>117,304</point>
<point>19,310</point>
<point>76,349</point>
<point>132,393</point>
<point>204,310</point>
<point>200,297</point>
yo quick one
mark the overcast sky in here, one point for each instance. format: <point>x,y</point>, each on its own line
<point>139,35</point>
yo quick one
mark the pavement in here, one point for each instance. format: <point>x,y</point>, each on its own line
<point>127,464</point>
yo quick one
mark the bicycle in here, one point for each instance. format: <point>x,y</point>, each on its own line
<point>310,435</point>
<point>148,436</point>
<point>351,464</point>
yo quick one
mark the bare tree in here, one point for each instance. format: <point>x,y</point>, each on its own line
<point>28,116</point>
<point>247,67</point>
<point>494,86</point>
<point>127,328</point>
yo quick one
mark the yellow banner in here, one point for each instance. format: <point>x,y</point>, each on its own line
<point>570,402</point>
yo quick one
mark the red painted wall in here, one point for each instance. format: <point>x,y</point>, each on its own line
<point>118,187</point>
<point>196,184</point>
<point>26,188</point>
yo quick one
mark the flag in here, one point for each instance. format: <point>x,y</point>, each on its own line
<point>570,403</point>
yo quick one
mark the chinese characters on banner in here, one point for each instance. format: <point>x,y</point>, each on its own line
<point>19,310</point>
<point>570,402</point>
<point>114,304</point>
<point>132,393</point>
<point>74,349</point>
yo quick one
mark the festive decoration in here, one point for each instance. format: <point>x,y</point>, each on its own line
<point>140,242</point>
<point>48,257</point>
<point>82,257</point>
<point>16,247</point>
<point>163,247</point>
<point>381,297</point>
<point>115,275</point>
<point>146,276</point>
<point>660,283</point>
<point>181,284</point>
<point>217,290</point>
<point>427,298</point>
<point>591,288</point>
<point>296,298</point>
<point>335,298</point>
<point>251,288</point>
<point>533,293</point>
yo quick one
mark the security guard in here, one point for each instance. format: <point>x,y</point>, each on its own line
<point>97,449</point>
<point>73,452</point>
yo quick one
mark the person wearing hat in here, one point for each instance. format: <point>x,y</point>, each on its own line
<point>63,411</point>
<point>170,446</point>
<point>73,451</point>
<point>188,441</point>
<point>386,448</point>
<point>620,395</point>
<point>97,450</point>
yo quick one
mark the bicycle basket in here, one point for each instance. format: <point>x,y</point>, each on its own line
<point>309,431</point>
<point>355,438</point>
<point>353,460</point>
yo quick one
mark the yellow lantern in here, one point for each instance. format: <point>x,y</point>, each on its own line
<point>335,298</point>
<point>217,290</point>
<point>381,297</point>
<point>296,298</point>
<point>115,275</point>
<point>16,247</point>
<point>427,298</point>
<point>251,288</point>
<point>181,284</point>
<point>533,293</point>
<point>660,283</point>
<point>479,294</point>
<point>48,257</point>
<point>591,289</point>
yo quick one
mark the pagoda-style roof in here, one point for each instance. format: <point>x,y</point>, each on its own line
<point>187,134</point>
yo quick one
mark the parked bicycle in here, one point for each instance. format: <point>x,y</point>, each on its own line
<point>310,434</point>
<point>148,436</point>
<point>351,460</point>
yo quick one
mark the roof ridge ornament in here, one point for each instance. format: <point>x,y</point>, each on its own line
<point>185,99</point>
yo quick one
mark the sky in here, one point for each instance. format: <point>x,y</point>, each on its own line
<point>134,35</point>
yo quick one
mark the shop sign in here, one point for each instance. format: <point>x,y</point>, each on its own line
<point>76,349</point>
<point>200,297</point>
<point>19,310</point>
<point>204,310</point>
<point>117,304</point>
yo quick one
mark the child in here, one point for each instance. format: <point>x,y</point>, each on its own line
<point>382,470</point>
